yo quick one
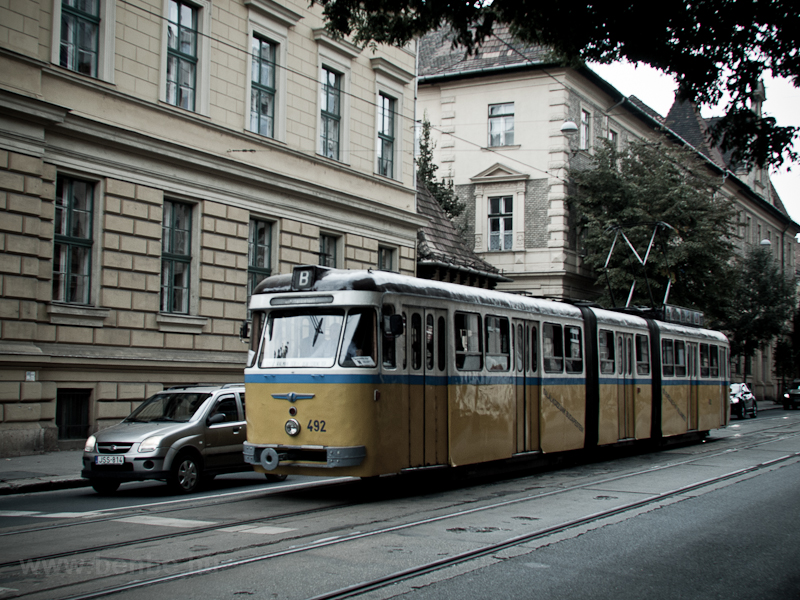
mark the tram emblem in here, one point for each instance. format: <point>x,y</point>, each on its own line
<point>292,396</point>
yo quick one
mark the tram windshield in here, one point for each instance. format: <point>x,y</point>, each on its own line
<point>301,338</point>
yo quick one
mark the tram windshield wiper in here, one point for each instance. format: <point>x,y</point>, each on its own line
<point>317,328</point>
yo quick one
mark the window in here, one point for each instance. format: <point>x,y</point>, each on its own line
<point>429,341</point>
<point>534,349</point>
<point>80,32</point>
<point>416,341</point>
<point>553,351</point>
<point>642,355</point>
<point>72,249</point>
<point>605,340</point>
<point>613,137</point>
<point>181,54</point>
<point>386,259</point>
<point>386,110</point>
<point>667,358</point>
<point>259,254</point>
<point>469,347</point>
<point>331,112</point>
<point>327,250</point>
<point>704,366</point>
<point>573,342</point>
<point>584,130</point>
<point>262,90</point>
<point>441,348</point>
<point>72,414</point>
<point>501,223</point>
<point>388,349</point>
<point>713,359</point>
<point>498,344</point>
<point>176,243</point>
<point>359,342</point>
<point>501,124</point>
<point>680,359</point>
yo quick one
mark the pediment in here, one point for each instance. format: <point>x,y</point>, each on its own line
<point>499,172</point>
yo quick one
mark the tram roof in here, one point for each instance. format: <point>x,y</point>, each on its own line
<point>331,280</point>
<point>334,280</point>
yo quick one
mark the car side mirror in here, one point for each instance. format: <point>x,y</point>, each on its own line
<point>216,418</point>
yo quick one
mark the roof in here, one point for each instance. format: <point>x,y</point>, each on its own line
<point>437,56</point>
<point>684,119</point>
<point>439,243</point>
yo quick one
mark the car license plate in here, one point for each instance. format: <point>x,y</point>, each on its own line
<point>109,460</point>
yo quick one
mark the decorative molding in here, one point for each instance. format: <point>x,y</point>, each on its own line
<point>281,14</point>
<point>82,316</point>
<point>388,69</point>
<point>343,47</point>
<point>181,323</point>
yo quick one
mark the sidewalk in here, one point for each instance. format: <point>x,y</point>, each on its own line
<point>62,470</point>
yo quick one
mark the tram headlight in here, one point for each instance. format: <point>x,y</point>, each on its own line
<point>292,427</point>
<point>90,442</point>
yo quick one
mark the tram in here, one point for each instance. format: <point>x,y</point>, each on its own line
<point>366,373</point>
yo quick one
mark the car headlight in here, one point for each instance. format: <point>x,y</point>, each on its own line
<point>786,396</point>
<point>292,427</point>
<point>90,442</point>
<point>734,400</point>
<point>150,444</point>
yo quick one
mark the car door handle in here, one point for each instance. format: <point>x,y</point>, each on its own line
<point>237,430</point>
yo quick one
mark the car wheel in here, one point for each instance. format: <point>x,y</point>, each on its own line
<point>275,478</point>
<point>105,488</point>
<point>186,474</point>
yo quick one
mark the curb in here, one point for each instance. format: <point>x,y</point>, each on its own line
<point>24,486</point>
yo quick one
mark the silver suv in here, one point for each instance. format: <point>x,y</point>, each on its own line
<point>182,435</point>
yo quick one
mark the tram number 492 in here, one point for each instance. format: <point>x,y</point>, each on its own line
<point>317,426</point>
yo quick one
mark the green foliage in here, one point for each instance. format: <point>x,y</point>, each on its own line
<point>630,192</point>
<point>762,302</point>
<point>712,47</point>
<point>442,191</point>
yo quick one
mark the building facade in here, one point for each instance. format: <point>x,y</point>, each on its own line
<point>498,119</point>
<point>157,159</point>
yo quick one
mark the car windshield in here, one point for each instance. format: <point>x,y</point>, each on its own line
<point>177,406</point>
<point>301,338</point>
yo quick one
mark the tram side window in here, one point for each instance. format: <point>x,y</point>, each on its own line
<point>519,347</point>
<point>429,342</point>
<point>256,333</point>
<point>498,344</point>
<point>574,344</point>
<point>416,341</point>
<point>605,340</point>
<point>714,360</point>
<point>388,349</point>
<point>442,345</point>
<point>553,351</point>
<point>680,359</point>
<point>534,349</point>
<point>359,344</point>
<point>469,349</point>
<point>704,368</point>
<point>642,355</point>
<point>667,358</point>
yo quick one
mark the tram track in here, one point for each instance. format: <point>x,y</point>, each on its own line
<point>309,512</point>
<point>429,567</point>
<point>332,539</point>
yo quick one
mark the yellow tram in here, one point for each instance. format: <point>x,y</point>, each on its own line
<point>368,373</point>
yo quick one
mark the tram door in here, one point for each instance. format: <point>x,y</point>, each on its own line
<point>526,388</point>
<point>427,403</point>
<point>626,386</point>
<point>693,372</point>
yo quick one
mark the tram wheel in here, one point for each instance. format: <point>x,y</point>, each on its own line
<point>275,478</point>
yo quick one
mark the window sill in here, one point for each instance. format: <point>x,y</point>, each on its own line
<point>495,148</point>
<point>76,314</point>
<point>181,323</point>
